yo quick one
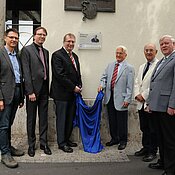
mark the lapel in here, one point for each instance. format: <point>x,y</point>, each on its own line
<point>35,51</point>
<point>67,57</point>
<point>161,67</point>
<point>6,56</point>
<point>38,56</point>
<point>123,67</point>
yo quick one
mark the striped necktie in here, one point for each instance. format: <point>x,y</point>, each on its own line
<point>114,76</point>
<point>73,60</point>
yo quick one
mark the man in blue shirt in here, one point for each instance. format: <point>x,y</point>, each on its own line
<point>11,95</point>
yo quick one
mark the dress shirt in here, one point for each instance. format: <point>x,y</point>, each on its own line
<point>15,64</point>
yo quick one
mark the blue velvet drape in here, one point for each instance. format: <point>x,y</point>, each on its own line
<point>88,120</point>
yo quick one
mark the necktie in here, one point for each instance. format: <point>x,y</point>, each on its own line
<point>42,59</point>
<point>73,60</point>
<point>146,70</point>
<point>162,62</point>
<point>114,76</point>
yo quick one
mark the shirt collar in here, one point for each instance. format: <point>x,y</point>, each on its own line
<point>10,53</point>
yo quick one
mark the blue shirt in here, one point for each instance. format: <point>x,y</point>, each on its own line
<point>15,64</point>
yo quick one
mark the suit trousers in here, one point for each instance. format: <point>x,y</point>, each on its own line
<point>118,123</point>
<point>7,117</point>
<point>41,104</point>
<point>166,131</point>
<point>65,114</point>
<point>148,128</point>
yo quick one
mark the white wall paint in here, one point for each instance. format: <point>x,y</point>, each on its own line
<point>134,24</point>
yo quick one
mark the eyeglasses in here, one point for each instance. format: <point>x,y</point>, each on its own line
<point>41,34</point>
<point>70,41</point>
<point>13,37</point>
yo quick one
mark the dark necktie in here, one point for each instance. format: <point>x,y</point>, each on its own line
<point>146,70</point>
<point>42,59</point>
<point>73,60</point>
<point>114,76</point>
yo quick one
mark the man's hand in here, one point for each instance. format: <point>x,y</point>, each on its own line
<point>170,111</point>
<point>77,89</point>
<point>1,105</point>
<point>125,104</point>
<point>99,88</point>
<point>140,98</point>
<point>32,97</point>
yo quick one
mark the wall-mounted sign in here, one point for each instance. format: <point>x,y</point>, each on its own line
<point>89,40</point>
<point>102,5</point>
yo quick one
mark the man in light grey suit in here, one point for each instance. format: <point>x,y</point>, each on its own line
<point>35,63</point>
<point>161,102</point>
<point>117,81</point>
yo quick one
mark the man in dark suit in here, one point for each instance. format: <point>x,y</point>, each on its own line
<point>11,95</point>
<point>66,81</point>
<point>35,62</point>
<point>161,102</point>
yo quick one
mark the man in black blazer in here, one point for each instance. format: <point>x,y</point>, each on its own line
<point>35,62</point>
<point>66,81</point>
<point>11,95</point>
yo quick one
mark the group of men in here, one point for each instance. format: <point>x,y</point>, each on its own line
<point>154,91</point>
<point>27,75</point>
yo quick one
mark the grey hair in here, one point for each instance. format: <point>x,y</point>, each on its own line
<point>167,36</point>
<point>124,48</point>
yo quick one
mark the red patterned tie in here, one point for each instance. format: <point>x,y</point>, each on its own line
<point>73,60</point>
<point>114,76</point>
<point>42,59</point>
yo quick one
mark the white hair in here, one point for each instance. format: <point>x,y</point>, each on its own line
<point>123,47</point>
<point>167,36</point>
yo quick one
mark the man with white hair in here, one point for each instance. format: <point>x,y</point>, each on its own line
<point>117,82</point>
<point>161,102</point>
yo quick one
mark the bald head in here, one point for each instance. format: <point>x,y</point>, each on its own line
<point>150,51</point>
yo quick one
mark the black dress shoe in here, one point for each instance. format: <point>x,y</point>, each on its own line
<point>71,144</point>
<point>31,151</point>
<point>149,157</point>
<point>66,149</point>
<point>121,146</point>
<point>111,143</point>
<point>157,165</point>
<point>142,152</point>
<point>46,149</point>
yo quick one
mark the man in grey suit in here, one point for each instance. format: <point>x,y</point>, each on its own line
<point>161,102</point>
<point>35,62</point>
<point>117,81</point>
<point>11,95</point>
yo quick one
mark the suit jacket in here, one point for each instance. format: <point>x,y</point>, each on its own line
<point>142,86</point>
<point>123,87</point>
<point>162,86</point>
<point>33,69</point>
<point>7,78</point>
<point>64,75</point>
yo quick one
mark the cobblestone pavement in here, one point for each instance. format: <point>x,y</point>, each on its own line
<point>108,154</point>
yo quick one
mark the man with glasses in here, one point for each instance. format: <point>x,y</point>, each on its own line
<point>66,81</point>
<point>35,62</point>
<point>11,95</point>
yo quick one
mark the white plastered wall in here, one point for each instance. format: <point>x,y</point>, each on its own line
<point>134,24</point>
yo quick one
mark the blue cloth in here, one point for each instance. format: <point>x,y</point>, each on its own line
<point>88,120</point>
